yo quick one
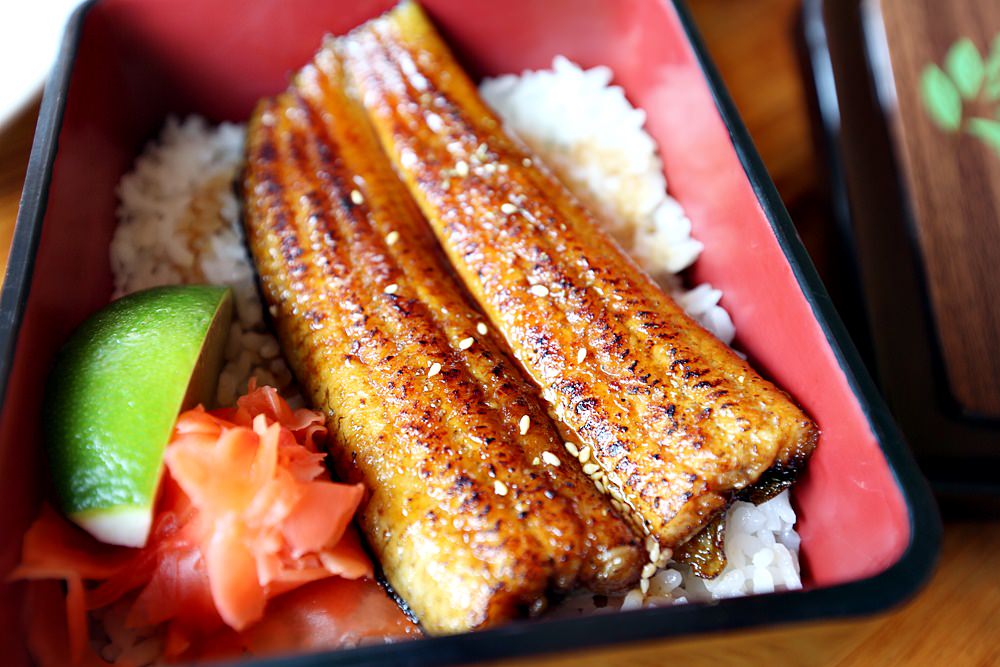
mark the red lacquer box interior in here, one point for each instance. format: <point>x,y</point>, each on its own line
<point>868,526</point>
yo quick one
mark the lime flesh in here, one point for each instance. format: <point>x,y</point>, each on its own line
<point>113,397</point>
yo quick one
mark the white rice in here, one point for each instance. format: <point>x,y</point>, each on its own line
<point>762,552</point>
<point>585,130</point>
<point>179,222</point>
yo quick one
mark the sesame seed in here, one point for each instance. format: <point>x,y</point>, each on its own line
<point>572,449</point>
<point>584,454</point>
<point>357,197</point>
<point>644,586</point>
<point>600,487</point>
<point>551,459</point>
<point>481,329</point>
<point>521,507</point>
<point>392,289</point>
<point>539,290</point>
<point>461,168</point>
<point>526,162</point>
<point>508,208</point>
<point>391,237</point>
<point>740,378</point>
<point>581,355</point>
<point>650,543</point>
<point>500,488</point>
<point>503,168</point>
<point>648,570</point>
<point>590,468</point>
<point>434,122</point>
<point>524,424</point>
<point>654,553</point>
<point>434,369</point>
<point>466,343</point>
<point>535,461</point>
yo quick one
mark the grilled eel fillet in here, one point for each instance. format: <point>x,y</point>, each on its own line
<point>675,421</point>
<point>475,509</point>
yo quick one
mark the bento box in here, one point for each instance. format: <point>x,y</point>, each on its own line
<point>869,528</point>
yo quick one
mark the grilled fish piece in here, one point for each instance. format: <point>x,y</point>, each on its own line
<point>675,421</point>
<point>475,511</point>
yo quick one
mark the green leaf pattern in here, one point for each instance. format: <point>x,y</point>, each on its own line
<point>987,130</point>
<point>941,98</point>
<point>966,68</point>
<point>992,73</point>
<point>966,77</point>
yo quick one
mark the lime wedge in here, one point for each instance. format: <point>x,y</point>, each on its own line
<point>114,394</point>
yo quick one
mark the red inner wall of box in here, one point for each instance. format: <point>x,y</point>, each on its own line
<point>139,61</point>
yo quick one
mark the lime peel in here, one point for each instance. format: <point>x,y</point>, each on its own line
<point>114,393</point>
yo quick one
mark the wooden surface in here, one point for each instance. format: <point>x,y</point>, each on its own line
<point>956,620</point>
<point>15,144</point>
<point>953,178</point>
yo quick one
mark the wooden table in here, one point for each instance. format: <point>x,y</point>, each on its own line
<point>955,621</point>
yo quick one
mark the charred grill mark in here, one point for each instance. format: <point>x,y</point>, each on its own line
<point>266,151</point>
<point>677,363</point>
<point>280,226</point>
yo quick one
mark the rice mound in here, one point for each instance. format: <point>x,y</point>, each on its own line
<point>586,131</point>
<point>179,222</point>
